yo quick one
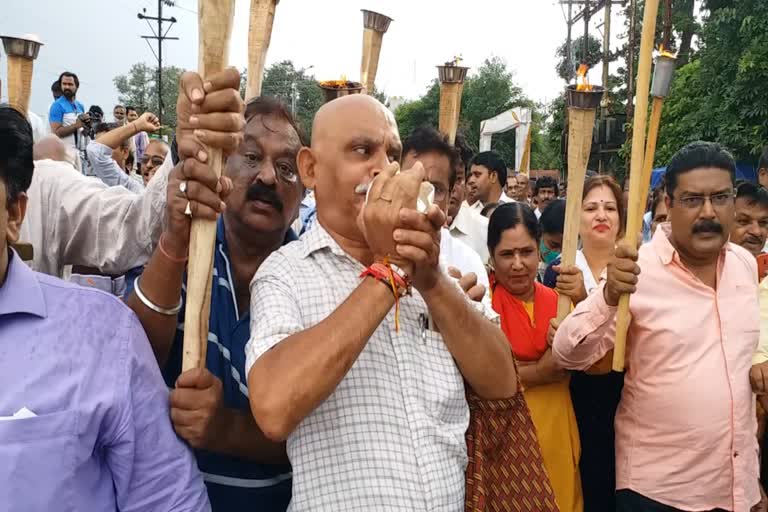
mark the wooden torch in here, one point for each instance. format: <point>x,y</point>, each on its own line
<point>215,28</point>
<point>582,100</point>
<point>451,87</point>
<point>22,52</point>
<point>663,72</point>
<point>635,209</point>
<point>375,25</point>
<point>259,35</point>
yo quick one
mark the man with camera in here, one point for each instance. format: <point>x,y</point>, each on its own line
<point>67,115</point>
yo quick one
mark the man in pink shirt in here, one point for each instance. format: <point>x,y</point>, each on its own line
<point>685,427</point>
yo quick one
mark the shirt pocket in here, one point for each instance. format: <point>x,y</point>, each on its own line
<point>442,385</point>
<point>37,466</point>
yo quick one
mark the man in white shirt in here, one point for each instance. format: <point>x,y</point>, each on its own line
<point>466,224</point>
<point>75,220</point>
<point>488,176</point>
<point>370,396</point>
<point>440,160</point>
<point>545,190</point>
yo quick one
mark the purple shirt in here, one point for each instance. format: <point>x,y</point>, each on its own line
<point>101,438</point>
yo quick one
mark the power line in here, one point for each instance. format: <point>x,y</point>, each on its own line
<point>159,36</point>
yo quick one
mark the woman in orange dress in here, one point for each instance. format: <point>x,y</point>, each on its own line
<point>526,308</point>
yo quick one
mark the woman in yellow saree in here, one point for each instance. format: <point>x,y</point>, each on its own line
<point>526,308</point>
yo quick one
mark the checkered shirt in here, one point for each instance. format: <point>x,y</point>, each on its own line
<point>391,436</point>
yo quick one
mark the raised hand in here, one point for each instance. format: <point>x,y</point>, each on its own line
<point>209,112</point>
<point>147,122</point>
<point>622,273</point>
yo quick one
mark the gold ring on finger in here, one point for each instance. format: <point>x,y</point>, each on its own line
<point>188,210</point>
<point>183,188</point>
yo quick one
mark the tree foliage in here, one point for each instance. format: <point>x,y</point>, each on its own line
<point>282,80</point>
<point>594,55</point>
<point>489,91</point>
<point>138,88</point>
<point>721,96</point>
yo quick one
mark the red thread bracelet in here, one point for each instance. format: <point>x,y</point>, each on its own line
<point>165,253</point>
<point>399,284</point>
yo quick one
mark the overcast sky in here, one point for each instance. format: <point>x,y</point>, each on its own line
<point>99,39</point>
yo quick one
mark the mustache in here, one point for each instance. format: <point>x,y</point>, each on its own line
<point>753,240</point>
<point>708,226</point>
<point>259,192</point>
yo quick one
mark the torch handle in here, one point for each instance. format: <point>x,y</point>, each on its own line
<point>370,64</point>
<point>19,82</point>
<point>262,17</point>
<point>650,149</point>
<point>450,103</point>
<point>634,220</point>
<point>581,123</point>
<point>215,28</point>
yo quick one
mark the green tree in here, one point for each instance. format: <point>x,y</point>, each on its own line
<point>138,88</point>
<point>282,80</point>
<point>593,57</point>
<point>488,92</point>
<point>720,95</point>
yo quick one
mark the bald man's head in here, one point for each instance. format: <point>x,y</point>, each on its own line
<point>353,138</point>
<point>50,147</point>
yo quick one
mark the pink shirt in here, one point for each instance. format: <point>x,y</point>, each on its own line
<point>685,427</point>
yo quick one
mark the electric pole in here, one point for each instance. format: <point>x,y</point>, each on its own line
<point>160,36</point>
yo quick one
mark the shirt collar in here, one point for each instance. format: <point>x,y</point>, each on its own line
<point>664,248</point>
<point>21,292</point>
<point>317,239</point>
<point>460,223</point>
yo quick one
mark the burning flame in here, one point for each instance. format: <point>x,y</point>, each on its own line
<point>582,82</point>
<point>664,53</point>
<point>342,83</point>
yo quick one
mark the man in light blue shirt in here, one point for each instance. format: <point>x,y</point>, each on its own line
<point>83,427</point>
<point>107,154</point>
<point>67,115</point>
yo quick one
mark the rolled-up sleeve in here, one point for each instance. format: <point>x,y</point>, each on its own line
<point>100,157</point>
<point>275,313</point>
<point>587,334</point>
<point>761,354</point>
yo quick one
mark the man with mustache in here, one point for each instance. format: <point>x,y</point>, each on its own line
<point>364,379</point>
<point>465,223</point>
<point>750,229</point>
<point>209,407</point>
<point>685,427</point>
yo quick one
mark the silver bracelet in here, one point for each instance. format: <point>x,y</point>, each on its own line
<point>151,305</point>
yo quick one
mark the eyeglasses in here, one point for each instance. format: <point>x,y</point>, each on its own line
<point>718,200</point>
<point>156,160</point>
<point>284,172</point>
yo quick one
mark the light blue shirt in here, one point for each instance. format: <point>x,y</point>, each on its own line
<point>98,436</point>
<point>106,169</point>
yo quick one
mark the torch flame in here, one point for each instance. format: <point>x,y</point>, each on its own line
<point>664,53</point>
<point>342,83</point>
<point>582,82</point>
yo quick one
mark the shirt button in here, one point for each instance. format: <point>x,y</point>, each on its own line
<point>735,454</point>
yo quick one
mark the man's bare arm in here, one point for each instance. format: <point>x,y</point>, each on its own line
<point>62,131</point>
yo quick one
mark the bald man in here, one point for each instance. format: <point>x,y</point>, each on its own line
<point>369,394</point>
<point>50,147</point>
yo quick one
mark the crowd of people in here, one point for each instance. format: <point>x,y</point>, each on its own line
<point>347,327</point>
